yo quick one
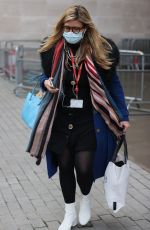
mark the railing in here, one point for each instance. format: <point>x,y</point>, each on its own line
<point>8,54</point>
<point>19,61</point>
<point>132,75</point>
<point>137,44</point>
<point>28,68</point>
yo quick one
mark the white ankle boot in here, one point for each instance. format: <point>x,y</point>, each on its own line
<point>85,210</point>
<point>70,218</point>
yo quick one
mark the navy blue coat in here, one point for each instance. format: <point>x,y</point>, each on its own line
<point>106,141</point>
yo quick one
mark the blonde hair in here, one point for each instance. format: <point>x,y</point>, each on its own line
<point>93,44</point>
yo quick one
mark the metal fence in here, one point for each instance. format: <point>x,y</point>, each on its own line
<point>137,45</point>
<point>8,54</point>
<point>19,61</point>
<point>28,68</point>
<point>135,80</point>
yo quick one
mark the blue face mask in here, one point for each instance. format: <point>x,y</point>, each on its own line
<point>73,38</point>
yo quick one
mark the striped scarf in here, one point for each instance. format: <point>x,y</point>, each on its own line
<point>101,101</point>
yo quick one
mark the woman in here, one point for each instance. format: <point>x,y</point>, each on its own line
<point>78,123</point>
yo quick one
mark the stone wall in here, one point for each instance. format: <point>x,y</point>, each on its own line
<point>34,19</point>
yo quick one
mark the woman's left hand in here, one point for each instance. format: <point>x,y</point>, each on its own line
<point>125,125</point>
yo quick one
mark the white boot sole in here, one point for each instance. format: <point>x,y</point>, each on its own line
<point>88,225</point>
<point>75,222</point>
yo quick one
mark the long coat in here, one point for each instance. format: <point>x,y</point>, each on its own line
<point>106,140</point>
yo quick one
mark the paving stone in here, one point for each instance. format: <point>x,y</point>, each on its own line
<point>146,192</point>
<point>127,210</point>
<point>4,211</point>
<point>19,220</point>
<point>102,211</point>
<point>136,216</point>
<point>133,228</point>
<point>53,205</point>
<point>37,223</point>
<point>99,225</point>
<point>53,225</point>
<point>119,214</point>
<point>144,224</point>
<point>32,215</point>
<point>25,227</point>
<point>41,228</point>
<point>50,216</point>
<point>8,222</point>
<point>132,202</point>
<point>46,198</point>
<point>9,226</point>
<point>141,171</point>
<point>115,226</point>
<point>135,166</point>
<point>126,221</point>
<point>109,219</point>
<point>147,176</point>
<point>37,203</point>
<point>147,216</point>
<point>94,216</point>
<point>30,201</point>
<point>135,183</point>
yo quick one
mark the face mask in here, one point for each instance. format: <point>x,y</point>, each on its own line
<point>73,38</point>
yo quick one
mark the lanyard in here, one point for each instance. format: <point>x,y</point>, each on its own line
<point>76,75</point>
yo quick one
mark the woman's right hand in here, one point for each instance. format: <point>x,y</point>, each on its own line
<point>50,87</point>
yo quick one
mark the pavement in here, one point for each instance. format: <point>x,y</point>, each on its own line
<point>30,201</point>
<point>138,137</point>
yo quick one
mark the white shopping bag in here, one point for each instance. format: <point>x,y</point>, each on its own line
<point>116,178</point>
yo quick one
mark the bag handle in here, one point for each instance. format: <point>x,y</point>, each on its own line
<point>121,141</point>
<point>35,86</point>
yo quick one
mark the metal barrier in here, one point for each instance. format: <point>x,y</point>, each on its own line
<point>10,62</point>
<point>131,71</point>
<point>137,44</point>
<point>28,68</point>
<point>8,53</point>
<point>2,62</point>
<point>132,75</point>
<point>25,43</point>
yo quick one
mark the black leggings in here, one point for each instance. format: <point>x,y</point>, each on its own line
<point>82,161</point>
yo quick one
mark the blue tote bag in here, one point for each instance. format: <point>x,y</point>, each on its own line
<point>30,108</point>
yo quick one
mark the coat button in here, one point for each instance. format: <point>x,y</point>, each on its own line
<point>70,126</point>
<point>97,130</point>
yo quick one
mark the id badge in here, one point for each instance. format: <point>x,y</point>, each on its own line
<point>76,103</point>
